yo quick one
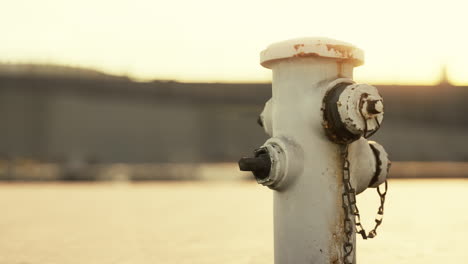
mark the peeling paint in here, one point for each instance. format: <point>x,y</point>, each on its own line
<point>308,54</point>
<point>297,46</point>
<point>344,51</point>
<point>305,47</point>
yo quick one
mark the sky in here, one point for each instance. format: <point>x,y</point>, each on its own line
<point>405,42</point>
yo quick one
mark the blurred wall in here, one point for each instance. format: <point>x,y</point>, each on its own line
<point>106,119</point>
<point>117,120</point>
<point>425,123</point>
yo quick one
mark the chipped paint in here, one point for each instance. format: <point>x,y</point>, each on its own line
<point>297,46</point>
<point>311,47</point>
<point>342,50</point>
<point>306,54</point>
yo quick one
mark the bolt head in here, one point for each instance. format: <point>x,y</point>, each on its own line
<point>375,107</point>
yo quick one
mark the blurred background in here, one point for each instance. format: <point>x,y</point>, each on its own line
<point>64,123</point>
<point>162,97</point>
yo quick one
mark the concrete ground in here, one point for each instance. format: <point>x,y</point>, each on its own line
<point>211,222</point>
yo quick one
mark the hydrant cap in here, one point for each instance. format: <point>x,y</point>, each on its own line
<point>311,47</point>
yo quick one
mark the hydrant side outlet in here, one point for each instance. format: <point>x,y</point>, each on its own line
<point>368,164</point>
<point>287,161</point>
<point>352,111</point>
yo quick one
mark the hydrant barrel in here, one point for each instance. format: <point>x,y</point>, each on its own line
<point>308,214</point>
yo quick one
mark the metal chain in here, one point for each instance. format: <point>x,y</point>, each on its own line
<point>348,245</point>
<point>350,207</point>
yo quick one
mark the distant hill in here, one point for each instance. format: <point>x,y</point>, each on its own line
<point>51,70</point>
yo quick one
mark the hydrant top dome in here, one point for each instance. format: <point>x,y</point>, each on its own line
<point>311,47</point>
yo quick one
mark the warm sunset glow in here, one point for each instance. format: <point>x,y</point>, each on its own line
<point>211,40</point>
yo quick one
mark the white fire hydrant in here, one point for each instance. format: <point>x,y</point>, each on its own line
<point>318,157</point>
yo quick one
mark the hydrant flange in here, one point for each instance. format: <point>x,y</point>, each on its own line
<point>276,159</point>
<point>286,162</point>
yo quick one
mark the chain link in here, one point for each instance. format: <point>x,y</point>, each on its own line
<point>350,207</point>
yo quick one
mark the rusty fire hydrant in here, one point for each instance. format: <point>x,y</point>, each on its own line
<point>318,157</point>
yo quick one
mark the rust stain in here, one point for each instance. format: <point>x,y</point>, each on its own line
<point>336,227</point>
<point>344,51</point>
<point>297,46</point>
<point>337,241</point>
<point>306,54</point>
<point>325,124</point>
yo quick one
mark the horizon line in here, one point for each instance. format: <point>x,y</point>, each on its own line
<point>70,70</point>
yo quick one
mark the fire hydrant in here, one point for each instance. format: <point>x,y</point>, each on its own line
<point>318,157</point>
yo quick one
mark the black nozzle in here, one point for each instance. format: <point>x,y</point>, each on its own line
<point>259,165</point>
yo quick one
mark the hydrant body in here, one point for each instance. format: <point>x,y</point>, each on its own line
<point>306,169</point>
<point>307,212</point>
